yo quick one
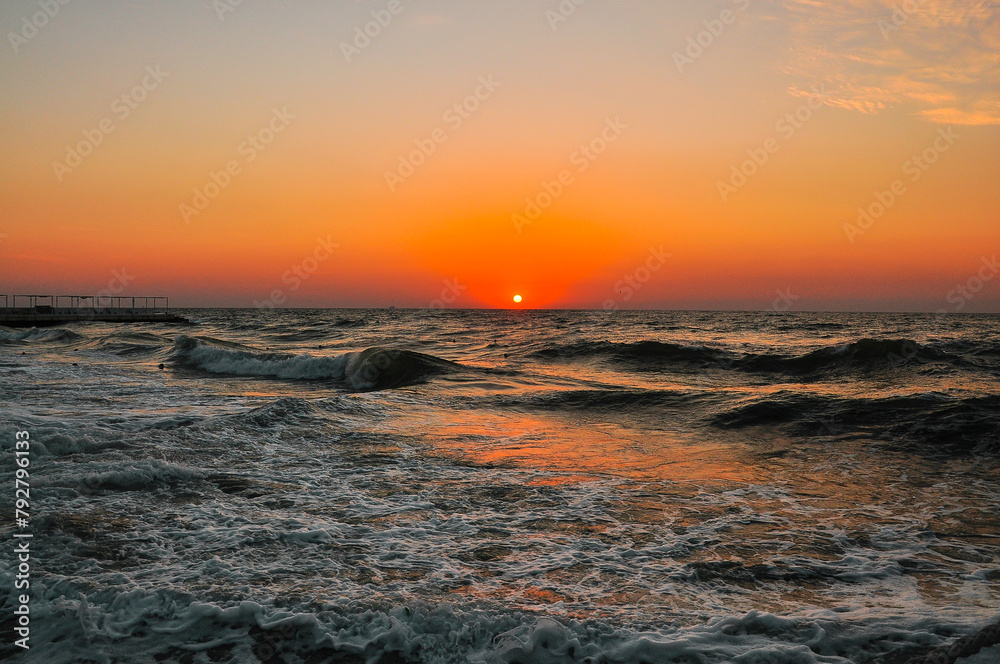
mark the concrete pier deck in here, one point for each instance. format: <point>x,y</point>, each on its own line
<point>47,310</point>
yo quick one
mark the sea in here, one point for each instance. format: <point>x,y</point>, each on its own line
<point>541,487</point>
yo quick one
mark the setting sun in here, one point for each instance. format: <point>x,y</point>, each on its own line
<point>744,226</point>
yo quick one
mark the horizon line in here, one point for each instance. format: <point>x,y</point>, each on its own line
<point>574,309</point>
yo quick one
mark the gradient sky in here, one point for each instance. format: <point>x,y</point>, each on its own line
<point>926,82</point>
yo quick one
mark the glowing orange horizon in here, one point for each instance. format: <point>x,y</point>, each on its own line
<point>605,181</point>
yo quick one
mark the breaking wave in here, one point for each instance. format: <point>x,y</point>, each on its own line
<point>370,369</point>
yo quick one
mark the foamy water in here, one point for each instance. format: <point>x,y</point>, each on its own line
<point>368,486</point>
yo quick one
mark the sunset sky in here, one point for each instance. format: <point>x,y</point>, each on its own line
<point>714,155</point>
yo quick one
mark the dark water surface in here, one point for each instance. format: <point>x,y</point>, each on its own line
<point>439,486</point>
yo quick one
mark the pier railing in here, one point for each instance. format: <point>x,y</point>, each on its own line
<point>78,303</point>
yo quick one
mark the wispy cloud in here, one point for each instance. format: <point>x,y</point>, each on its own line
<point>940,58</point>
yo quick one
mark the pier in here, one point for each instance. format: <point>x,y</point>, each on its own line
<point>42,310</point>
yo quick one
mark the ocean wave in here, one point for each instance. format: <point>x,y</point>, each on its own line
<point>639,351</point>
<point>173,422</point>
<point>969,425</point>
<point>862,355</point>
<point>283,411</point>
<point>62,444</point>
<point>820,326</point>
<point>127,343</point>
<point>779,408</point>
<point>132,336</point>
<point>38,334</point>
<point>303,335</point>
<point>143,475</point>
<point>350,322</point>
<point>164,626</point>
<point>992,350</point>
<point>370,369</point>
<point>602,399</point>
<point>132,350</point>
<point>929,422</point>
<point>850,568</point>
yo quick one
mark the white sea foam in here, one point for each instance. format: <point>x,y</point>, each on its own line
<point>142,625</point>
<point>212,358</point>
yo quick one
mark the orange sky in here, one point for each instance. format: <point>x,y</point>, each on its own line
<point>643,127</point>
